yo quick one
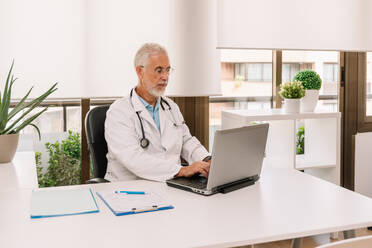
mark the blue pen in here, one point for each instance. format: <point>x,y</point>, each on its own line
<point>130,192</point>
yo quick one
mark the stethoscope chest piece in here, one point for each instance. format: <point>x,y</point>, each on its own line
<point>144,142</point>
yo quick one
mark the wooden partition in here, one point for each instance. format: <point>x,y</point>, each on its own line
<point>85,159</point>
<point>195,111</point>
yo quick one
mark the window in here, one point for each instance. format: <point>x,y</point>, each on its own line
<point>330,72</point>
<point>246,83</point>
<point>289,70</point>
<point>267,72</point>
<point>259,72</point>
<point>369,84</point>
<point>252,72</point>
<point>240,71</point>
<point>246,73</point>
<point>326,64</point>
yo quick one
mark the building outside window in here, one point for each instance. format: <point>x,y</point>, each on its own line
<point>240,71</point>
<point>330,72</point>
<point>259,72</point>
<point>246,83</point>
<point>252,72</point>
<point>289,70</point>
<point>326,64</point>
<point>369,83</point>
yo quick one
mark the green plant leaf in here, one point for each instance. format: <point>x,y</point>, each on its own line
<point>309,79</point>
<point>19,106</point>
<point>10,128</point>
<point>6,104</point>
<point>37,130</point>
<point>36,100</point>
<point>7,82</point>
<point>292,90</point>
<point>64,168</point>
<point>28,121</point>
<point>6,116</point>
<point>35,103</point>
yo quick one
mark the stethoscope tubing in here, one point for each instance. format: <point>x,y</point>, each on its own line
<point>144,142</point>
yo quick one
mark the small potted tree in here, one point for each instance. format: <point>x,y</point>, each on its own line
<point>312,82</point>
<point>292,92</point>
<point>12,121</point>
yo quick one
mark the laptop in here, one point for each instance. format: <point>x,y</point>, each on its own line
<point>237,158</point>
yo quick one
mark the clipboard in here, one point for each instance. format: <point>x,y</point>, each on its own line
<point>132,202</point>
<point>53,203</point>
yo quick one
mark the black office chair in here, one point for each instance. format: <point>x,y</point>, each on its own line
<point>95,131</point>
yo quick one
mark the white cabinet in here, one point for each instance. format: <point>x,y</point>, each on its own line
<point>363,168</point>
<point>322,139</point>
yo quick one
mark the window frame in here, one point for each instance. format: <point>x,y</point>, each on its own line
<point>262,73</point>
<point>364,120</point>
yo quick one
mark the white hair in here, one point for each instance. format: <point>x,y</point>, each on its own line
<point>145,51</point>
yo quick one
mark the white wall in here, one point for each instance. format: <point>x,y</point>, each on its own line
<point>363,163</point>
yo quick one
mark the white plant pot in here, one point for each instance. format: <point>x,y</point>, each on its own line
<point>309,101</point>
<point>291,105</point>
<point>8,147</point>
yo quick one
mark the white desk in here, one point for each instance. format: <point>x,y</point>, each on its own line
<point>20,173</point>
<point>284,204</point>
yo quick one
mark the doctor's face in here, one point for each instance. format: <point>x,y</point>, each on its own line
<point>155,74</point>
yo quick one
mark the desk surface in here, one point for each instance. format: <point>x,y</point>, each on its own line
<point>284,204</point>
<point>20,173</point>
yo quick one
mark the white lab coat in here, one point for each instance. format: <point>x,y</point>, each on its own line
<point>127,160</point>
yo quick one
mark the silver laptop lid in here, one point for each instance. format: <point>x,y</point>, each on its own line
<point>237,153</point>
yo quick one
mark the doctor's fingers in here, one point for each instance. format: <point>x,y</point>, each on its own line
<point>205,166</point>
<point>203,172</point>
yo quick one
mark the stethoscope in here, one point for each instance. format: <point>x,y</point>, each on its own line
<point>144,142</point>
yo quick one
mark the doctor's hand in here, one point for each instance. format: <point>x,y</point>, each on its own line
<point>195,168</point>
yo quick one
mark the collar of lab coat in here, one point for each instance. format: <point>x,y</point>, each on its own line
<point>143,112</point>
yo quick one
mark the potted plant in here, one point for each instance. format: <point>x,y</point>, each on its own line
<point>312,83</point>
<point>292,92</point>
<point>14,120</point>
<point>238,81</point>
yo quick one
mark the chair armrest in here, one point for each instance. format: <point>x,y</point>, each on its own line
<point>96,180</point>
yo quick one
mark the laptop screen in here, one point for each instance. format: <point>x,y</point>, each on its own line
<point>237,153</point>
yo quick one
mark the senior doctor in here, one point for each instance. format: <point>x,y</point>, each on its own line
<point>145,131</point>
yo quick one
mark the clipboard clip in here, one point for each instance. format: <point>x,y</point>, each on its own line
<point>139,210</point>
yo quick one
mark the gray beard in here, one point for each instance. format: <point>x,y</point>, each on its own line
<point>157,93</point>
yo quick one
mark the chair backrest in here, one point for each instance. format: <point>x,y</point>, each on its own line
<point>360,242</point>
<point>95,131</point>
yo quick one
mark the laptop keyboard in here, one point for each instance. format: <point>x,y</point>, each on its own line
<point>198,182</point>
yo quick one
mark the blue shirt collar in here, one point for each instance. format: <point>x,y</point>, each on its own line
<point>148,106</point>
